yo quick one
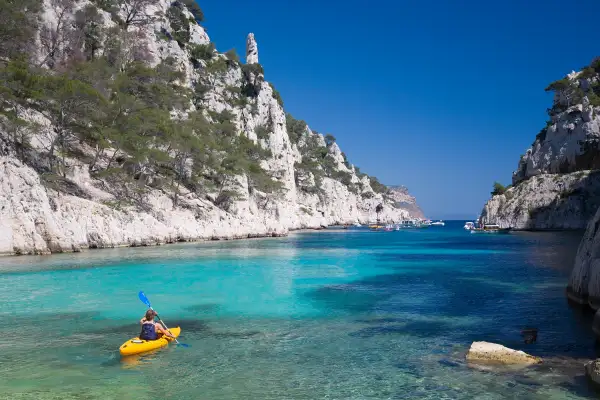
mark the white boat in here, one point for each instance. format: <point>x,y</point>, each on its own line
<point>490,228</point>
<point>409,223</point>
<point>413,223</point>
<point>469,226</point>
<point>357,225</point>
<point>425,224</point>
<point>438,223</point>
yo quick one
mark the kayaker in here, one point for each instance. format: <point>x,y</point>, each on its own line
<point>151,329</point>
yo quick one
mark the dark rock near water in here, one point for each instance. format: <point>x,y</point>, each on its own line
<point>529,335</point>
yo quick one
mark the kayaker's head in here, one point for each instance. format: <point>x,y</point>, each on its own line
<point>150,315</point>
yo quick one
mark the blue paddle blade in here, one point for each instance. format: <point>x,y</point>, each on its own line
<point>183,344</point>
<point>144,299</point>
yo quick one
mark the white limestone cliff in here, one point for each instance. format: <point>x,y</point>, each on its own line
<point>547,201</point>
<point>552,187</point>
<point>403,199</point>
<point>38,218</point>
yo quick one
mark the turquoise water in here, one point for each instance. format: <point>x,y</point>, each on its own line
<point>337,314</point>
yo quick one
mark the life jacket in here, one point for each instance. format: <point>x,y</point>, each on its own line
<point>148,331</point>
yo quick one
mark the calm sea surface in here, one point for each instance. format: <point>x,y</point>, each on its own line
<point>337,314</point>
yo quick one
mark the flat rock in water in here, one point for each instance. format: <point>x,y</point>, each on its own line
<point>485,352</point>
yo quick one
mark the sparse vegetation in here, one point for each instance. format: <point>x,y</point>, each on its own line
<point>498,189</point>
<point>329,140</point>
<point>195,9</point>
<point>86,99</point>
<point>561,84</point>
<point>295,128</point>
<point>179,24</point>
<point>276,95</point>
<point>306,210</point>
<point>367,195</point>
<point>377,186</point>
<point>202,51</point>
<point>131,123</point>
<point>261,132</point>
<point>232,55</point>
<point>255,69</point>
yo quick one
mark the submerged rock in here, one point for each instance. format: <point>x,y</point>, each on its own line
<point>485,352</point>
<point>529,335</point>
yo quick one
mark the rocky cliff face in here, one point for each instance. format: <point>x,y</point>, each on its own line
<point>60,201</point>
<point>584,284</point>
<point>552,187</point>
<point>403,199</point>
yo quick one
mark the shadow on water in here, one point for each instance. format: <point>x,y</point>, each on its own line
<point>421,329</point>
<point>500,302</point>
<point>345,298</point>
<point>581,386</point>
<point>203,308</point>
<point>428,258</point>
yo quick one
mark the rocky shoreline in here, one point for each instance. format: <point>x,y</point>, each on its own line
<point>250,236</point>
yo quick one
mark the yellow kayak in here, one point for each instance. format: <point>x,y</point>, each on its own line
<point>137,345</point>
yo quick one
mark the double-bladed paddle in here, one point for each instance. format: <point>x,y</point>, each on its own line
<point>145,300</point>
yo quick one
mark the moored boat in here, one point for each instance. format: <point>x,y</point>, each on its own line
<point>438,223</point>
<point>491,228</point>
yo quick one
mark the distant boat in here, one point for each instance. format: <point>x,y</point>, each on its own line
<point>438,223</point>
<point>357,225</point>
<point>469,226</point>
<point>491,228</point>
<point>414,223</point>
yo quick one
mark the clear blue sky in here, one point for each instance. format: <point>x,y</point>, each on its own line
<point>440,96</point>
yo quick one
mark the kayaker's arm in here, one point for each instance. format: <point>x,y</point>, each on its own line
<point>162,329</point>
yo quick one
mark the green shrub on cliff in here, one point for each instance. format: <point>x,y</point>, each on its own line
<point>498,189</point>
<point>377,186</point>
<point>255,69</point>
<point>179,24</point>
<point>329,140</point>
<point>202,51</point>
<point>232,56</point>
<point>276,95</point>
<point>594,99</point>
<point>295,128</point>
<point>195,9</point>
<point>262,132</point>
<point>561,84</point>
<point>587,72</point>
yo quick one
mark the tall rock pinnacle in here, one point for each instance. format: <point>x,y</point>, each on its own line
<point>251,50</point>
